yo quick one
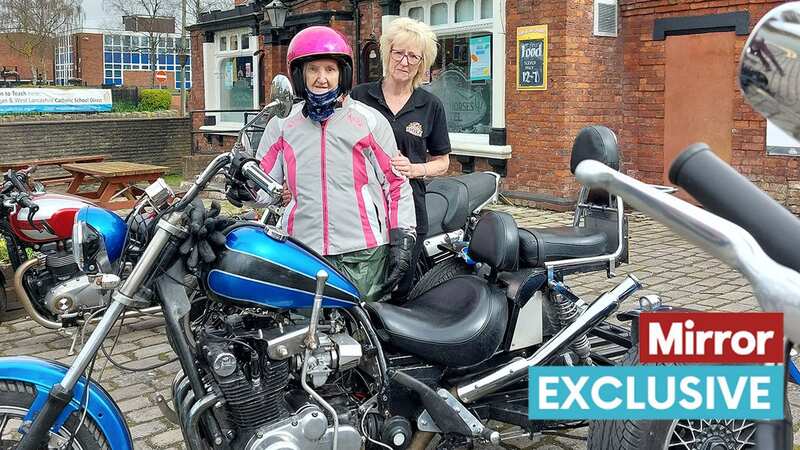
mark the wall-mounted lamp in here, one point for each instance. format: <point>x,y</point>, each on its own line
<point>277,11</point>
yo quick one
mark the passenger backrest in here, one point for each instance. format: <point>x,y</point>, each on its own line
<point>495,241</point>
<point>598,143</point>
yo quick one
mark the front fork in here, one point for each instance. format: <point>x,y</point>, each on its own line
<point>62,393</point>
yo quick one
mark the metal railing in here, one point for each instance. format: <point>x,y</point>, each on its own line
<point>195,131</point>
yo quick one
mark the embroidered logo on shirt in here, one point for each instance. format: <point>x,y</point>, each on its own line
<point>414,128</point>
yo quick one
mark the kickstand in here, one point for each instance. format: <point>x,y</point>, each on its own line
<point>71,350</point>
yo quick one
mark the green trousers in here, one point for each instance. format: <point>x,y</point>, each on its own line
<point>366,269</point>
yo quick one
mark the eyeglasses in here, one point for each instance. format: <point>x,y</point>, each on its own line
<point>413,60</point>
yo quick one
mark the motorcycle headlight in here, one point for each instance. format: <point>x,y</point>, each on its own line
<point>98,239</point>
<point>86,246</point>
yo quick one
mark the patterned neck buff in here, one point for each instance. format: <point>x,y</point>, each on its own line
<point>320,106</point>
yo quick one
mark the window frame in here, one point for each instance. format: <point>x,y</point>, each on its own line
<point>213,74</point>
<point>473,143</point>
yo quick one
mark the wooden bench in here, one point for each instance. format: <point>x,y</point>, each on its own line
<point>117,181</point>
<point>50,180</point>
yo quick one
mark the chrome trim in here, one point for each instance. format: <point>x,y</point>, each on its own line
<point>610,258</point>
<point>89,350</point>
<point>148,259</point>
<point>25,300</point>
<point>598,311</point>
<point>774,285</point>
<point>197,410</point>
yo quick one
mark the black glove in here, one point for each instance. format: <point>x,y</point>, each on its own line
<point>205,234</point>
<point>238,192</point>
<point>401,247</point>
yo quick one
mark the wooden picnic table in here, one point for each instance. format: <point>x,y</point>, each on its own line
<point>117,181</point>
<point>47,162</point>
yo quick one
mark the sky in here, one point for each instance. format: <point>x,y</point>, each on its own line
<point>96,17</point>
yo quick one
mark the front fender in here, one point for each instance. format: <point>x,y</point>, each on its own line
<point>44,374</point>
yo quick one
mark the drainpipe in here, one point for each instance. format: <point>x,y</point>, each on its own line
<point>357,52</point>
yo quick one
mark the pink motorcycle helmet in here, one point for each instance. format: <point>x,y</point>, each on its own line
<point>318,42</point>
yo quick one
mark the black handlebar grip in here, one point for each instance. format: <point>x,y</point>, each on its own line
<point>14,179</point>
<point>728,194</point>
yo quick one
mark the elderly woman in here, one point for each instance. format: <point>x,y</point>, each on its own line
<point>408,48</point>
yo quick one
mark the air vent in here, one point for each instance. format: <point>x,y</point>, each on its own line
<point>605,18</point>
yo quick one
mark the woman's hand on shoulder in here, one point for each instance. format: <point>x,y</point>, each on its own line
<point>402,165</point>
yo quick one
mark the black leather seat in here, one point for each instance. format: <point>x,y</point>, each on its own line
<point>450,200</point>
<point>462,321</point>
<point>537,246</point>
<point>458,323</point>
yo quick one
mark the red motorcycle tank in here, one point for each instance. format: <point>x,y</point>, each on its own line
<point>57,211</point>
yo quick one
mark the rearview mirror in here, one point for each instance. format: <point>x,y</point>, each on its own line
<point>281,96</point>
<point>767,76</point>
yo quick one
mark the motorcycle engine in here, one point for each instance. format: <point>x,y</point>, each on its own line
<point>255,359</point>
<point>59,286</point>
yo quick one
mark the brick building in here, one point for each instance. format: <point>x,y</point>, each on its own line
<point>11,59</point>
<point>117,58</point>
<point>661,73</point>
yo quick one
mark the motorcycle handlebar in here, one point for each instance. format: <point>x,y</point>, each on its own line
<point>12,177</point>
<point>774,285</point>
<point>728,194</point>
<point>26,202</point>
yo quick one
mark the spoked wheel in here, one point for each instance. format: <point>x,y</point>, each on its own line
<point>673,434</point>
<point>16,398</point>
<point>711,435</point>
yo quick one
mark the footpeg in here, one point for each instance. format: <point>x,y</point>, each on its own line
<point>166,411</point>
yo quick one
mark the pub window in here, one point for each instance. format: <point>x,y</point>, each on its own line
<point>464,89</point>
<point>417,13</point>
<point>465,10</point>
<point>223,44</point>
<point>439,14</point>
<point>236,90</point>
<point>486,9</point>
<point>245,41</point>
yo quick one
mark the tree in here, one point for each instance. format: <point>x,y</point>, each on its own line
<point>196,7</point>
<point>31,26</point>
<point>149,12</point>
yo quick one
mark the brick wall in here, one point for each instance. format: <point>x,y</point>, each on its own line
<point>89,61</point>
<point>583,88</point>
<point>143,79</point>
<point>536,121</point>
<point>643,90</point>
<point>161,141</point>
<point>11,58</point>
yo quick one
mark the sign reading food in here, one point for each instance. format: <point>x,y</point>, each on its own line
<point>532,58</point>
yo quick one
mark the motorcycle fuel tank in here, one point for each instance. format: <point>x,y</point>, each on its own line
<point>259,269</point>
<point>55,210</point>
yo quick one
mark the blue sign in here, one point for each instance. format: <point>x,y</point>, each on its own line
<point>46,100</point>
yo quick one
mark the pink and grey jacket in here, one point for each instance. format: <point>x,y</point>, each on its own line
<point>345,194</point>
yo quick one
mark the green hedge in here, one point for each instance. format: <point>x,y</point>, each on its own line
<point>154,99</point>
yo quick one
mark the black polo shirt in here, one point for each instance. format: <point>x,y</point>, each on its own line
<point>420,127</point>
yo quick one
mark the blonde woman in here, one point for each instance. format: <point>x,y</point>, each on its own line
<point>408,48</point>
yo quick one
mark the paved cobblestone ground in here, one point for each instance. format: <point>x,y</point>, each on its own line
<point>679,272</point>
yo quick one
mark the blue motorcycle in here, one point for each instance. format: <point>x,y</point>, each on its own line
<point>277,351</point>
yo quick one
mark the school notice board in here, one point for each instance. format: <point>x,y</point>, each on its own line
<point>532,58</point>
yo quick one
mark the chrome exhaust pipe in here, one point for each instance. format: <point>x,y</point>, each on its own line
<point>22,295</point>
<point>598,311</point>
